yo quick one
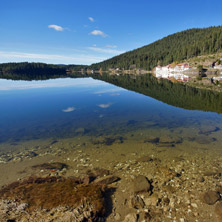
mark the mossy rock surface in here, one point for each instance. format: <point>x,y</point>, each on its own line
<point>52,192</point>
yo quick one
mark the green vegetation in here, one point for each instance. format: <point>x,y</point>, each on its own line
<point>26,70</point>
<point>174,48</point>
<point>176,94</point>
<point>37,71</point>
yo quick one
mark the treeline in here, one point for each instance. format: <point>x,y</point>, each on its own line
<point>32,70</point>
<point>173,48</point>
<point>175,94</point>
<point>37,71</point>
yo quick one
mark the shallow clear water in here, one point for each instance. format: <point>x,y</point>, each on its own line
<point>66,108</point>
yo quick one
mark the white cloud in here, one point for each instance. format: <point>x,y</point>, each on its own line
<point>56,27</point>
<point>69,109</point>
<point>104,106</point>
<point>111,46</point>
<point>49,58</point>
<point>91,19</point>
<point>102,50</point>
<point>98,32</point>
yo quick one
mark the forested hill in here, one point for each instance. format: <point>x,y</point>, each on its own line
<point>173,48</point>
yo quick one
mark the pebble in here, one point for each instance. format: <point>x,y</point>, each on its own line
<point>194,205</point>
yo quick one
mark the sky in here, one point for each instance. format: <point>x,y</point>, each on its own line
<point>90,31</point>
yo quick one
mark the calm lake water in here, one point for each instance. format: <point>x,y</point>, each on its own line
<point>68,108</point>
<point>119,125</point>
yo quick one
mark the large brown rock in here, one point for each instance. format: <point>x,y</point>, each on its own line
<point>141,184</point>
<point>106,180</point>
<point>211,197</point>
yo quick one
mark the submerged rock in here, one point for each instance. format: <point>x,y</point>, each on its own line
<point>203,139</point>
<point>141,184</point>
<point>108,141</point>
<point>81,130</point>
<point>164,142</point>
<point>51,166</point>
<point>98,172</point>
<point>208,130</point>
<point>152,140</point>
<point>211,197</point>
<point>54,142</point>
<point>106,180</point>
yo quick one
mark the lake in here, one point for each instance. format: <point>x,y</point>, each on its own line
<point>127,126</point>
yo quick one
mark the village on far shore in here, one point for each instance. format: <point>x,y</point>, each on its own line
<point>184,72</point>
<point>202,71</point>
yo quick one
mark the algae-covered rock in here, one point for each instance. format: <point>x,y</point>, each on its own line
<point>53,192</point>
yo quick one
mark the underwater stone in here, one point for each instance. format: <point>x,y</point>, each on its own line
<point>208,130</point>
<point>211,197</point>
<point>51,166</point>
<point>141,184</point>
<point>81,130</point>
<point>106,180</point>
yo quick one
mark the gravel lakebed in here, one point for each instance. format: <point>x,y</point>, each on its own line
<point>117,178</point>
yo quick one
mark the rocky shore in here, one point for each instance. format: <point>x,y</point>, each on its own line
<point>148,179</point>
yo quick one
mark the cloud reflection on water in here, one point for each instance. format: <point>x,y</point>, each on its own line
<point>104,106</point>
<point>69,109</point>
<point>112,90</point>
<point>52,83</point>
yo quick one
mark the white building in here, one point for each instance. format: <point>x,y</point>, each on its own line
<point>170,71</point>
<point>170,68</point>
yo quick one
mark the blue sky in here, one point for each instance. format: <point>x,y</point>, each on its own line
<point>89,31</point>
